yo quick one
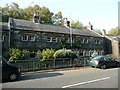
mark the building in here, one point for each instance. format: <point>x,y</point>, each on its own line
<point>33,36</point>
<point>115,44</point>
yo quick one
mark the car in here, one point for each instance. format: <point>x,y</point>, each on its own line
<point>103,62</point>
<point>9,72</point>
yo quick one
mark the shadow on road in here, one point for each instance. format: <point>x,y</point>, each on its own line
<point>37,76</point>
<point>40,76</point>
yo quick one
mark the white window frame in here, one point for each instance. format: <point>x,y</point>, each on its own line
<point>87,41</point>
<point>68,40</point>
<point>22,37</point>
<point>31,37</point>
<point>83,41</point>
<point>84,52</point>
<point>49,39</point>
<point>55,39</point>
<point>96,42</point>
<point>87,53</point>
<point>2,38</point>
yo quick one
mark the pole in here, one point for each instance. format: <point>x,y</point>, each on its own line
<point>71,37</point>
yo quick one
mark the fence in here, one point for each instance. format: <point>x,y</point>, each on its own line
<point>35,64</point>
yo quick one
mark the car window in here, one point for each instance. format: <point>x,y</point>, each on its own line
<point>106,59</point>
<point>110,58</point>
<point>98,57</point>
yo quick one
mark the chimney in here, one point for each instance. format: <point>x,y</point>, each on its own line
<point>67,23</point>
<point>104,32</point>
<point>91,26</point>
<point>36,19</point>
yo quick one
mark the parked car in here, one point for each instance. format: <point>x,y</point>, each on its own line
<point>9,72</point>
<point>103,62</point>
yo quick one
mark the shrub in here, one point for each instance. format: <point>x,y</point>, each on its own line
<point>17,54</point>
<point>14,54</point>
<point>25,54</point>
<point>63,53</point>
<point>47,54</point>
<point>32,54</point>
<point>39,55</point>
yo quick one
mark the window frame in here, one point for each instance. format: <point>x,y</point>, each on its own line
<point>49,40</point>
<point>31,39</point>
<point>22,37</point>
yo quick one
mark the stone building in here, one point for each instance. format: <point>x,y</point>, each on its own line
<point>33,36</point>
<point>115,44</point>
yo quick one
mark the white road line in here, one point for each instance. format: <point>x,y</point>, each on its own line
<point>85,82</point>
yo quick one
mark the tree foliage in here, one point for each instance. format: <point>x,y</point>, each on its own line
<point>46,16</point>
<point>114,31</point>
<point>58,19</point>
<point>77,24</point>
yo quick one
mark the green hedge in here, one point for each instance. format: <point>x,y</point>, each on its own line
<point>17,54</point>
<point>64,53</point>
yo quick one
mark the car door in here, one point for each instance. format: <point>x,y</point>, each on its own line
<point>106,61</point>
<point>4,70</point>
<point>111,61</point>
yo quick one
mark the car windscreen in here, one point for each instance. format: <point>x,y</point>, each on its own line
<point>98,57</point>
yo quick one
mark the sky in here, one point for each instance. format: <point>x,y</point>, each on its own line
<point>103,14</point>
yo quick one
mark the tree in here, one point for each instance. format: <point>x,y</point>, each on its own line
<point>28,13</point>
<point>58,19</point>
<point>114,31</point>
<point>77,24</point>
<point>45,15</point>
<point>5,12</point>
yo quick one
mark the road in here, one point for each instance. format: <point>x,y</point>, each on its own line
<point>79,78</point>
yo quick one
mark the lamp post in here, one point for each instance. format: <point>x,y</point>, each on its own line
<point>71,41</point>
<point>69,26</point>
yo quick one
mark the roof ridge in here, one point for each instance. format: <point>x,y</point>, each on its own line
<point>96,33</point>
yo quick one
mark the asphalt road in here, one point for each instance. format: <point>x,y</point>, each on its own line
<point>79,78</point>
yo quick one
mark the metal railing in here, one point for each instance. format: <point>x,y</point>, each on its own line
<point>36,64</point>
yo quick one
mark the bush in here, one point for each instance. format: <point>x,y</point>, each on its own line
<point>47,54</point>
<point>63,53</point>
<point>17,54</point>
<point>14,54</point>
<point>32,54</point>
<point>39,55</point>
<point>25,54</point>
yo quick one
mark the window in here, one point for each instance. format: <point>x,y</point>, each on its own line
<point>49,39</point>
<point>24,37</point>
<point>84,53</point>
<point>87,41</point>
<point>2,38</point>
<point>31,38</point>
<point>68,40</point>
<point>96,42</point>
<point>54,39</point>
<point>83,41</point>
<point>87,53</point>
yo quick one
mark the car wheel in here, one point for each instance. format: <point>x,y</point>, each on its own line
<point>12,77</point>
<point>93,66</point>
<point>103,66</point>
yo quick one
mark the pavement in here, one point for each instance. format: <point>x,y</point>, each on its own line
<point>52,70</point>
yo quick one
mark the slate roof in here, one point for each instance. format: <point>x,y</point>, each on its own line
<point>29,25</point>
<point>4,26</point>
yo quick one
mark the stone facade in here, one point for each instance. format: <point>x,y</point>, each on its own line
<point>115,44</point>
<point>28,35</point>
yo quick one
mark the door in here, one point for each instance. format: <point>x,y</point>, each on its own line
<point>112,62</point>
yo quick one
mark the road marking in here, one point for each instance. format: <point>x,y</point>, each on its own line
<point>85,82</point>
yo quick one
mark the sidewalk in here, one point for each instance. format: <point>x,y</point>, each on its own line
<point>52,70</point>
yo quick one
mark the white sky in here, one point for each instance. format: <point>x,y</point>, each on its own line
<point>103,14</point>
